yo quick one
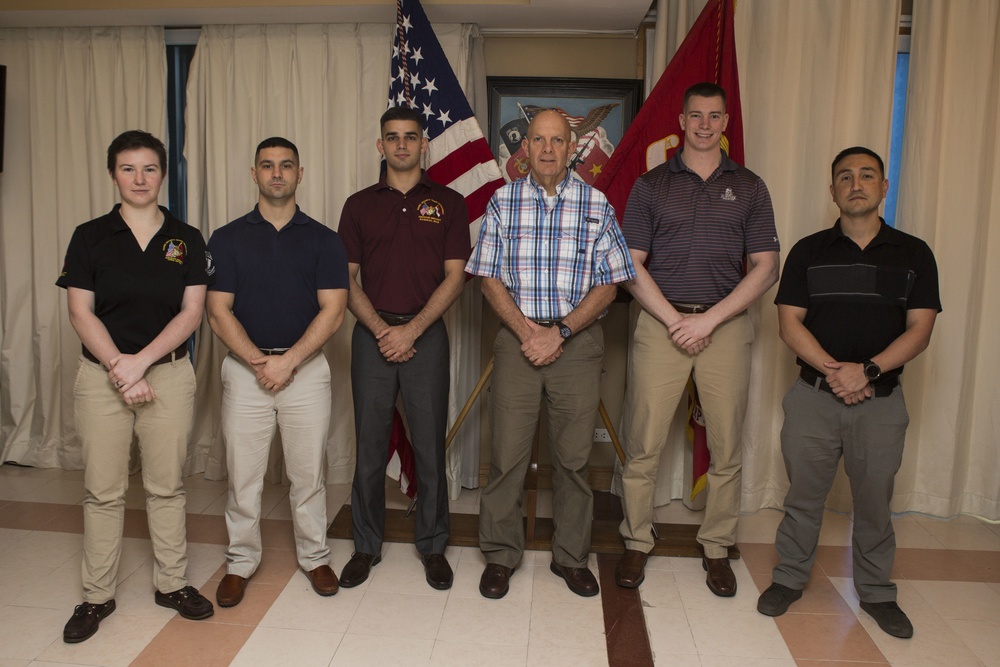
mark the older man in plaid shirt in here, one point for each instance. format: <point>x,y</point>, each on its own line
<point>550,254</point>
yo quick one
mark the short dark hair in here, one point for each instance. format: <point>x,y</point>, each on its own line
<point>131,140</point>
<point>275,142</point>
<point>401,113</point>
<point>705,89</point>
<point>856,150</point>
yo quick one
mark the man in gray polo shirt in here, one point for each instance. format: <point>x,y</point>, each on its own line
<point>706,226</point>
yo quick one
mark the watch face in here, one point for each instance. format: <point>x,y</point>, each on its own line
<point>872,371</point>
<point>565,331</point>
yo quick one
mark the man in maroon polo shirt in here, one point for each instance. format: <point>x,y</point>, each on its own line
<point>408,239</point>
<point>699,219</point>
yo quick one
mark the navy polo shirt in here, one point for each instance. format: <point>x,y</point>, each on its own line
<point>856,300</point>
<point>274,275</point>
<point>136,292</point>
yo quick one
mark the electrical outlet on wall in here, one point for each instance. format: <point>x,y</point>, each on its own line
<point>601,435</point>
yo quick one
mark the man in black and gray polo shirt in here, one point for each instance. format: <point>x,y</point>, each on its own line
<point>699,219</point>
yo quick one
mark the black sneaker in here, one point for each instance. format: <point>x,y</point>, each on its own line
<point>776,599</point>
<point>188,602</point>
<point>890,618</point>
<point>85,620</point>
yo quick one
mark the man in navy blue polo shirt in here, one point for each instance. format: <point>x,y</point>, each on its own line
<point>856,302</point>
<point>280,293</point>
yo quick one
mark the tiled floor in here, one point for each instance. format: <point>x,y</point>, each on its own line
<point>948,574</point>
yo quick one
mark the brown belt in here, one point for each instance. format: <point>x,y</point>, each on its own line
<point>179,353</point>
<point>691,308</point>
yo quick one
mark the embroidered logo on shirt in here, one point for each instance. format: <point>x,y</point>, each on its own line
<point>209,267</point>
<point>728,195</point>
<point>430,210</point>
<point>175,251</point>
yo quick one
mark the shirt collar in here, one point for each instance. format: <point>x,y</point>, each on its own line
<point>424,181</point>
<point>886,234</point>
<point>560,187</point>
<point>254,217</point>
<point>118,223</point>
<point>677,163</point>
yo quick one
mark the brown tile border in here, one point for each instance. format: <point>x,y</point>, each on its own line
<point>624,621</point>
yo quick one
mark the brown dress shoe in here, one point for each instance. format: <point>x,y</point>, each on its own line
<point>230,590</point>
<point>631,569</point>
<point>721,579</point>
<point>323,580</point>
<point>437,571</point>
<point>358,568</point>
<point>495,581</point>
<point>579,579</point>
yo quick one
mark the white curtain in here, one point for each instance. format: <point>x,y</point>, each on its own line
<point>70,91</point>
<point>815,77</point>
<point>950,197</point>
<point>323,87</point>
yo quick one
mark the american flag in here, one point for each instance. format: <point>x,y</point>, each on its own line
<point>458,155</point>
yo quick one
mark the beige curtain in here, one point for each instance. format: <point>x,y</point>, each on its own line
<point>323,87</point>
<point>815,77</point>
<point>70,91</point>
<point>950,197</point>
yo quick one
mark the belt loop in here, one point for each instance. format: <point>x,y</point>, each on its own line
<point>818,383</point>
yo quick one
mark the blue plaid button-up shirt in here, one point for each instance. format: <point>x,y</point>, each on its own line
<point>549,258</point>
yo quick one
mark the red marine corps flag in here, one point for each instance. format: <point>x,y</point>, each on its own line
<point>457,154</point>
<point>707,54</point>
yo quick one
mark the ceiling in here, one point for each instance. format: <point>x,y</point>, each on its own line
<point>491,15</point>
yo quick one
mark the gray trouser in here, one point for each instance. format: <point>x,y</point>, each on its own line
<point>423,383</point>
<point>819,428</point>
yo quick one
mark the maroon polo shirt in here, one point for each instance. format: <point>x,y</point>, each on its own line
<point>402,240</point>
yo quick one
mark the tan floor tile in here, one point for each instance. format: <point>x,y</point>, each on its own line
<point>277,534</point>
<point>759,558</point>
<point>208,529</point>
<point>828,636</point>
<point>183,642</point>
<point>70,520</point>
<point>935,565</point>
<point>834,561</point>
<point>28,516</point>
<point>62,491</point>
<point>759,527</point>
<point>836,530</point>
<point>256,602</point>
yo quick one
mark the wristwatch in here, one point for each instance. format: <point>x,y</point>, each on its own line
<point>564,330</point>
<point>872,370</point>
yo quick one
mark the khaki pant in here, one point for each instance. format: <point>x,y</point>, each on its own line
<point>658,373</point>
<point>250,414</point>
<point>105,426</point>
<point>570,387</point>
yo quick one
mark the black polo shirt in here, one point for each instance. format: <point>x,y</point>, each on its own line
<point>856,299</point>
<point>274,275</point>
<point>136,292</point>
<point>402,240</point>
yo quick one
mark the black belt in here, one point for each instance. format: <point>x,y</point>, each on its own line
<point>546,323</point>
<point>179,353</point>
<point>394,319</point>
<point>274,351</point>
<point>880,390</point>
<point>691,308</point>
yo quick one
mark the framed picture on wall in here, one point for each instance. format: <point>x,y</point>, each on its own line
<point>598,110</point>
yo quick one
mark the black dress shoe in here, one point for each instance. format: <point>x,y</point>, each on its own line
<point>188,602</point>
<point>437,571</point>
<point>631,569</point>
<point>890,618</point>
<point>495,581</point>
<point>579,579</point>
<point>776,600</point>
<point>720,579</point>
<point>85,620</point>
<point>230,590</point>
<point>358,568</point>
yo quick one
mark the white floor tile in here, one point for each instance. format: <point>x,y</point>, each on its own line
<point>398,615</point>
<point>695,594</point>
<point>968,601</point>
<point>547,586</point>
<point>45,548</point>
<point>669,632</point>
<point>8,536</point>
<point>727,661</point>
<point>561,656</point>
<point>659,590</point>
<point>463,654</point>
<point>17,579</point>
<point>675,660</point>
<point>483,621</point>
<point>282,646</point>
<point>299,608</point>
<point>357,650</point>
<point>64,491</point>
<point>836,530</point>
<point>744,634</point>
<point>566,624</point>
<point>982,638</point>
<point>968,534</point>
<point>204,561</point>
<point>60,589</point>
<point>26,631</point>
<point>911,534</point>
<point>402,571</point>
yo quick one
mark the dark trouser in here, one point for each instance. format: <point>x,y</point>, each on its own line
<point>423,382</point>
<point>819,428</point>
<point>570,386</point>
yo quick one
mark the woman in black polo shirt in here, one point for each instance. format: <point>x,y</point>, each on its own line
<point>135,281</point>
